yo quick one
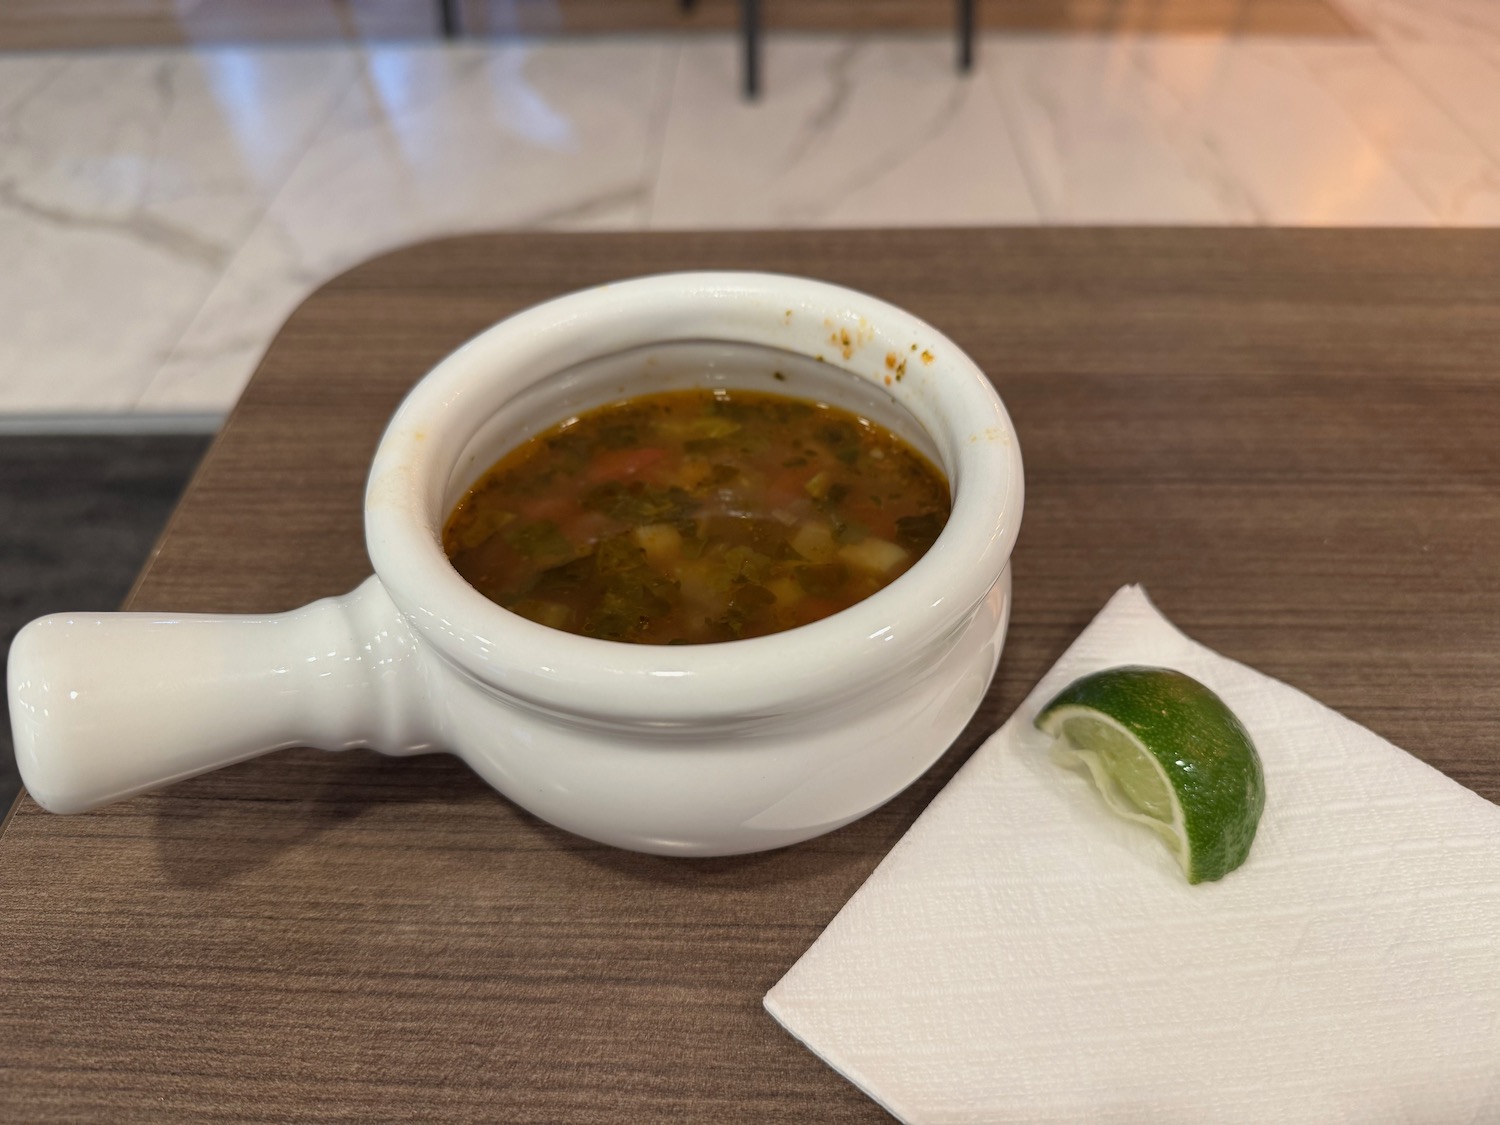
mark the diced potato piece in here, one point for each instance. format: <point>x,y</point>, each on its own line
<point>787,592</point>
<point>878,556</point>
<point>694,471</point>
<point>661,541</point>
<point>814,542</point>
<point>817,488</point>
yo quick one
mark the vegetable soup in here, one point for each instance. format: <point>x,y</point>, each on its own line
<point>696,516</point>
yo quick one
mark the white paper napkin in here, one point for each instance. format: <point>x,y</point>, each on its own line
<point>1024,955</point>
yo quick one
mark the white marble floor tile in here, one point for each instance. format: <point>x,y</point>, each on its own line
<point>161,212</point>
<point>1465,22</point>
<point>1297,155</point>
<point>126,182</point>
<point>432,140</point>
<point>1434,130</point>
<point>847,132</point>
<point>25,76</point>
<point>1101,141</point>
<point>1463,80</point>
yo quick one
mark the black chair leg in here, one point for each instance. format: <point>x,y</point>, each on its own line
<point>750,22</point>
<point>448,15</point>
<point>965,35</point>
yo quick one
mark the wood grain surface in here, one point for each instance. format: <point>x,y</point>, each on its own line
<point>1288,436</point>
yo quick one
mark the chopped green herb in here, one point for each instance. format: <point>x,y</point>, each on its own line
<point>821,581</point>
<point>619,555</point>
<point>744,564</point>
<point>636,503</point>
<point>541,542</point>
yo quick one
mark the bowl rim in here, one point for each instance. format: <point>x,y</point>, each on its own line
<point>783,672</point>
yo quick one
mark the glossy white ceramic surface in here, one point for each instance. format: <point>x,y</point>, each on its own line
<point>107,705</point>
<point>698,750</point>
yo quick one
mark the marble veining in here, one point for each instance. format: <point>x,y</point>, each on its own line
<point>1461,80</point>
<point>1103,142</point>
<point>848,132</point>
<point>1296,153</point>
<point>1433,120</point>
<point>163,211</point>
<point>429,141</point>
<point>1432,21</point>
<point>126,184</point>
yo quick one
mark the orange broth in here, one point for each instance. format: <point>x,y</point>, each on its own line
<point>689,517</point>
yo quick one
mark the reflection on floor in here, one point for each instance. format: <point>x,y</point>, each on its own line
<point>163,210</point>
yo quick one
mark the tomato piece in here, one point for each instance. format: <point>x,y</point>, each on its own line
<point>787,487</point>
<point>552,506</point>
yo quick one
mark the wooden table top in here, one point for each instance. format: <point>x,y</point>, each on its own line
<point>1288,436</point>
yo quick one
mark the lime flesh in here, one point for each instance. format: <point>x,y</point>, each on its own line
<point>1167,752</point>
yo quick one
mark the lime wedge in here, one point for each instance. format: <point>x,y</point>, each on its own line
<point>1167,752</point>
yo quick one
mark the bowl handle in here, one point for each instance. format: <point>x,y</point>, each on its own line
<point>104,706</point>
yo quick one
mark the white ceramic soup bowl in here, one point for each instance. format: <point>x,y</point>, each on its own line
<point>690,750</point>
